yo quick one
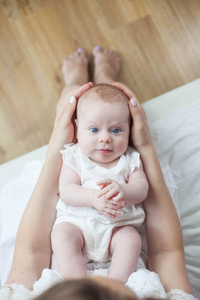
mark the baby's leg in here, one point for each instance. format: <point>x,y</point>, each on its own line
<point>125,247</point>
<point>67,242</point>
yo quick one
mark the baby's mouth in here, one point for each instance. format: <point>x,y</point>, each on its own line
<point>104,150</point>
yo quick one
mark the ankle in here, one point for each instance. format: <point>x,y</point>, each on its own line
<point>103,79</point>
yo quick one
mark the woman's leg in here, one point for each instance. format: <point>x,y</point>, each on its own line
<point>33,244</point>
<point>75,72</point>
<point>106,66</point>
<point>125,247</point>
<point>75,69</point>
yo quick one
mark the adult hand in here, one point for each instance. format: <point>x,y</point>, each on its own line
<point>63,132</point>
<point>140,133</point>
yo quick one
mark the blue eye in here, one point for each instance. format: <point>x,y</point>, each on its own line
<point>94,130</point>
<point>115,130</point>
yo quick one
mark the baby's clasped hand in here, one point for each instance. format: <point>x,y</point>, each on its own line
<point>109,199</point>
<point>112,190</point>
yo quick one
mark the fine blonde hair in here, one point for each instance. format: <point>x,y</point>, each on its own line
<point>107,93</point>
<point>83,289</point>
<point>103,92</point>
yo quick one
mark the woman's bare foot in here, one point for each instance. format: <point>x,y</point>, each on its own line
<point>75,68</point>
<point>106,65</point>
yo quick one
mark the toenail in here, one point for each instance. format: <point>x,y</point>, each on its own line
<point>97,47</point>
<point>80,49</point>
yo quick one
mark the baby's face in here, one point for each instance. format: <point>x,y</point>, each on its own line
<point>103,129</point>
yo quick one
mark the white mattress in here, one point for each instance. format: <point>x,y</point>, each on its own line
<point>175,128</point>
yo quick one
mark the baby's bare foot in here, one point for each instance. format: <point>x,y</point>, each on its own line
<point>75,68</point>
<point>106,65</point>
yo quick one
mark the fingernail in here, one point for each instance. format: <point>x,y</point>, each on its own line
<point>80,49</point>
<point>72,100</point>
<point>133,102</point>
<point>97,47</point>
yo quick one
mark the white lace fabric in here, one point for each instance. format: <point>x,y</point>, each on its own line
<point>143,282</point>
<point>15,292</point>
<point>20,292</point>
<point>179,295</point>
<point>146,284</point>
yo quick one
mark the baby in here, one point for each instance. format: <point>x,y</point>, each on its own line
<point>102,185</point>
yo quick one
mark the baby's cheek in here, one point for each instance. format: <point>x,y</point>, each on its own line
<point>123,145</point>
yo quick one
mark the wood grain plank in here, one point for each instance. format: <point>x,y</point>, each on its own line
<point>148,67</point>
<point>157,40</point>
<point>178,23</point>
<point>122,12</point>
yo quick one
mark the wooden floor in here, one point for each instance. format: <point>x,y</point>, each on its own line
<point>158,42</point>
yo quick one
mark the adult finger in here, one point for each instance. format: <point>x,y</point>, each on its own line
<point>140,132</point>
<point>66,111</point>
<point>83,89</point>
<point>124,89</point>
<point>69,106</point>
<point>136,114</point>
<point>131,97</point>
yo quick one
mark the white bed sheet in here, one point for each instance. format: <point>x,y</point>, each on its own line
<point>177,139</point>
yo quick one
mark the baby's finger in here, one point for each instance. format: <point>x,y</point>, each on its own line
<point>102,186</point>
<point>105,190</point>
<point>114,205</point>
<point>104,182</point>
<point>113,211</point>
<point>102,192</point>
<point>117,203</point>
<point>117,198</point>
<point>112,193</point>
<point>111,206</point>
<point>109,215</point>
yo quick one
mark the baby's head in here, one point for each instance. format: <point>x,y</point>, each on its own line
<point>103,123</point>
<point>105,93</point>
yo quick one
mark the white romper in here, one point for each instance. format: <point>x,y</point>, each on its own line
<point>96,227</point>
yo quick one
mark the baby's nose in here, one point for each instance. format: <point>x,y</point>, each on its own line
<point>105,137</point>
